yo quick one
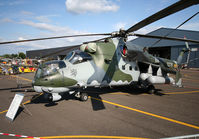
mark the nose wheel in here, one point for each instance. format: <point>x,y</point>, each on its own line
<point>81,96</point>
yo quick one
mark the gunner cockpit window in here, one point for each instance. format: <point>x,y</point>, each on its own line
<point>49,68</point>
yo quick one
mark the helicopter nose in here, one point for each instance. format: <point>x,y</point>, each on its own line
<point>33,82</point>
<point>37,89</point>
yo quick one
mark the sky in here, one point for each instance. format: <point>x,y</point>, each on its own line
<point>27,19</point>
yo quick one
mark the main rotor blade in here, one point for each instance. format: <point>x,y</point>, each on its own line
<point>99,39</point>
<point>180,5</point>
<point>166,38</point>
<point>175,29</point>
<point>48,38</point>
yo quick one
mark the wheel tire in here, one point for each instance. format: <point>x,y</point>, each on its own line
<point>84,97</point>
<point>48,97</point>
<point>151,89</point>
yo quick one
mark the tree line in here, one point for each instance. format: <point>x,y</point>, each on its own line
<point>11,56</point>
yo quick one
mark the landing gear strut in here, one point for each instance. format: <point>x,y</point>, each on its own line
<point>82,96</point>
<point>151,89</point>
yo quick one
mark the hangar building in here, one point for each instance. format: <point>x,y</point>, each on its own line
<point>170,49</point>
<point>51,52</point>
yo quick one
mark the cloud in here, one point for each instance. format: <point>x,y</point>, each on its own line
<point>51,29</point>
<point>6,20</point>
<point>46,31</point>
<point>119,25</point>
<point>90,6</point>
<point>45,18</point>
<point>191,26</point>
<point>43,26</point>
<point>16,2</point>
<point>40,18</point>
<point>27,13</point>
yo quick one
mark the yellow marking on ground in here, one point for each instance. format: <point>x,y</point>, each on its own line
<point>149,114</point>
<point>187,92</point>
<point>3,111</point>
<point>26,102</point>
<point>186,75</point>
<point>90,136</point>
<point>133,109</point>
<point>21,78</point>
<point>119,93</point>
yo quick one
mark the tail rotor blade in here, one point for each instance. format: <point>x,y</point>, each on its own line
<point>194,49</point>
<point>186,43</point>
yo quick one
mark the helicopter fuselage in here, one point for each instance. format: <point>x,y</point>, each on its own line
<point>102,64</point>
<point>80,69</point>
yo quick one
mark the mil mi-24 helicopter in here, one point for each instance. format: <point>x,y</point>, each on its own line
<point>110,62</point>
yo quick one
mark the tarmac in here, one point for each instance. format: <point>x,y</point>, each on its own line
<point>122,112</point>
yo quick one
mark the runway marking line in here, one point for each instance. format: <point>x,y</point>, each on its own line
<point>21,78</point>
<point>186,92</point>
<point>137,110</point>
<point>119,93</point>
<point>3,111</point>
<point>149,114</point>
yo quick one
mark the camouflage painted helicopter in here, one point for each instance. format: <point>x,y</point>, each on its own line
<point>110,62</point>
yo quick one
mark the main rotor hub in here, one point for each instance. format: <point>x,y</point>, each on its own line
<point>121,33</point>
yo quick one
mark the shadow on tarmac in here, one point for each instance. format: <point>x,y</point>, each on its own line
<point>94,93</point>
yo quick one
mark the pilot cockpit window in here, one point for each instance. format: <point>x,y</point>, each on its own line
<point>50,68</point>
<point>76,57</point>
<point>62,64</point>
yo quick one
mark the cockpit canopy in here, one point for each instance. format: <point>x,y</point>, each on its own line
<point>77,56</point>
<point>49,68</point>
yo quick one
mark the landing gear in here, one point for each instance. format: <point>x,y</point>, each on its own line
<point>81,96</point>
<point>48,97</point>
<point>151,89</point>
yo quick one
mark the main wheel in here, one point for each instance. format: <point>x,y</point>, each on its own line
<point>151,89</point>
<point>83,96</point>
<point>48,97</point>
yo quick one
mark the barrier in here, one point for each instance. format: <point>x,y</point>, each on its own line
<point>21,136</point>
<point>14,106</point>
